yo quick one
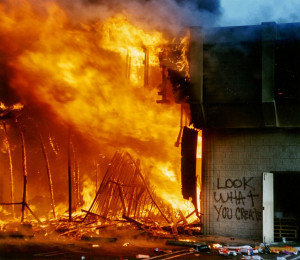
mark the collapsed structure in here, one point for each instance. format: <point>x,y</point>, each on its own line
<point>87,92</point>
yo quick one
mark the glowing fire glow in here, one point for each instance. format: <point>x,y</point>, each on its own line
<point>199,146</point>
<point>90,76</point>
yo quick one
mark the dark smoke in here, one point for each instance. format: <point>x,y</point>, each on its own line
<point>212,6</point>
<point>164,15</point>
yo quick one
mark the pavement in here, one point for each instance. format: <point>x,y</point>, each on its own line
<point>122,245</point>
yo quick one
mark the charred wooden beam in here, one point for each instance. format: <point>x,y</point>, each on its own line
<point>96,215</point>
<point>32,213</point>
<point>122,199</point>
<point>183,218</point>
<point>69,176</point>
<point>10,169</point>
<point>75,176</point>
<point>98,239</point>
<point>189,215</point>
<point>142,177</point>
<point>49,175</point>
<point>24,163</point>
<point>123,190</point>
<point>9,203</point>
<point>136,223</point>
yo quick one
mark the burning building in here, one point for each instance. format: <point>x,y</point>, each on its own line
<point>82,134</point>
<point>91,135</point>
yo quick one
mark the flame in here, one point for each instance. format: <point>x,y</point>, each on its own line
<point>88,193</point>
<point>166,179</point>
<point>199,168</point>
<point>17,106</point>
<point>2,106</point>
<point>199,146</point>
<point>183,63</point>
<point>80,71</point>
<point>122,37</point>
<point>167,172</point>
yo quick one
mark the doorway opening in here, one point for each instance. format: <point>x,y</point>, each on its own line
<point>286,208</point>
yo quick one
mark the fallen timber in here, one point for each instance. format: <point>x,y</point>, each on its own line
<point>125,200</point>
<point>124,191</point>
<point>125,194</point>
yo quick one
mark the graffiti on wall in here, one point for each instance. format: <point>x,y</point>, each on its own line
<point>237,199</point>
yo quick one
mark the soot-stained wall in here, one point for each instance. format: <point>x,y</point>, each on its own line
<point>233,163</point>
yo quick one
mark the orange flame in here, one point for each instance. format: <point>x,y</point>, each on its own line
<point>79,72</point>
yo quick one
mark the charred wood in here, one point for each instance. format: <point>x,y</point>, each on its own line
<point>49,175</point>
<point>136,223</point>
<point>10,169</point>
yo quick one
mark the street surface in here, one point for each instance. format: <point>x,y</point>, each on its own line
<point>121,246</point>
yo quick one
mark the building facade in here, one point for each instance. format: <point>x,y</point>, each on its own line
<point>246,100</point>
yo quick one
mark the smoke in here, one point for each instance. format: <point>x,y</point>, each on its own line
<point>212,6</point>
<point>168,16</point>
<point>171,16</point>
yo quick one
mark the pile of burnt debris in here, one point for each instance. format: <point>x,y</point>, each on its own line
<point>124,200</point>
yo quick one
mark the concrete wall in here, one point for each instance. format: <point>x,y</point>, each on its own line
<point>233,163</point>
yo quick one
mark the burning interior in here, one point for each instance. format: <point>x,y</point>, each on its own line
<point>90,112</point>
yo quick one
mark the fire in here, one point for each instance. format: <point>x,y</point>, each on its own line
<point>88,193</point>
<point>90,76</point>
<point>17,106</point>
<point>167,172</point>
<point>183,63</point>
<point>199,146</point>
<point>120,36</point>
